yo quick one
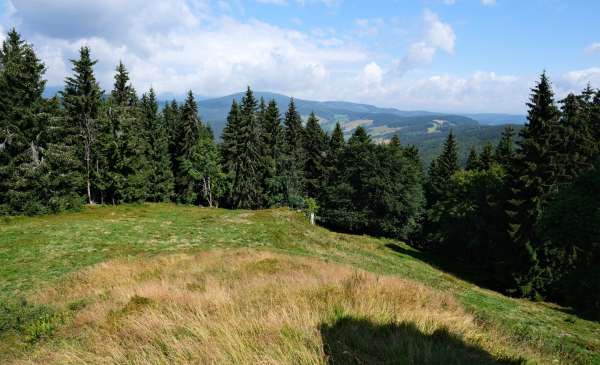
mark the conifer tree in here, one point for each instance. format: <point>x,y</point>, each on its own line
<point>188,135</point>
<point>534,181</point>
<point>576,146</point>
<point>82,99</point>
<point>441,169</point>
<point>487,157</point>
<point>472,160</point>
<point>272,140</point>
<point>249,164</point>
<point>171,119</point>
<point>133,140</point>
<point>160,180</point>
<point>38,169</point>
<point>294,157</point>
<point>505,150</point>
<point>315,145</point>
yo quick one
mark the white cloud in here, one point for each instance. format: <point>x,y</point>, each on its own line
<point>449,2</point>
<point>208,53</point>
<point>438,35</point>
<point>488,2</point>
<point>593,48</point>
<point>575,81</point>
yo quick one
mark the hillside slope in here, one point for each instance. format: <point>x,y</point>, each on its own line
<point>159,283</point>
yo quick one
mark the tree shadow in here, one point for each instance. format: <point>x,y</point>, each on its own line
<point>358,341</point>
<point>472,274</point>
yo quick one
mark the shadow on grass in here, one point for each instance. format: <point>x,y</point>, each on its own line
<point>462,270</point>
<point>359,341</point>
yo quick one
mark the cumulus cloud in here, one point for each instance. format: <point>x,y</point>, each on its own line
<point>181,45</point>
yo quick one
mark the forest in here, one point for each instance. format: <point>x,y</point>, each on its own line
<point>524,215</point>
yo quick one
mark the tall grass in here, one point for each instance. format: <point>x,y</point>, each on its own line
<point>250,307</point>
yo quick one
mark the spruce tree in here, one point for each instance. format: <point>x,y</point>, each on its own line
<point>170,119</point>
<point>441,169</point>
<point>249,164</point>
<point>188,135</point>
<point>315,145</point>
<point>473,162</point>
<point>38,167</point>
<point>82,99</point>
<point>576,146</point>
<point>487,157</point>
<point>229,148</point>
<point>128,119</point>
<point>294,157</point>
<point>272,140</point>
<point>533,178</point>
<point>505,150</point>
<point>160,179</point>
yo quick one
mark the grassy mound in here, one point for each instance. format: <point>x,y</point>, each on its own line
<point>167,284</point>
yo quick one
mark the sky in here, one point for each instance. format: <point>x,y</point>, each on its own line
<point>437,55</point>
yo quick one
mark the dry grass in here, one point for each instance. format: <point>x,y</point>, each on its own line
<point>254,307</point>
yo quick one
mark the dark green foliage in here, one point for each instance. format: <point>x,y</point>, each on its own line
<point>132,169</point>
<point>441,169</point>
<point>534,178</point>
<point>272,141</point>
<point>82,99</point>
<point>468,223</point>
<point>188,137</point>
<point>315,147</point>
<point>294,157</point>
<point>38,167</point>
<point>377,190</point>
<point>242,154</point>
<point>505,150</point>
<point>487,157</point>
<point>473,162</point>
<point>572,224</point>
<point>160,179</point>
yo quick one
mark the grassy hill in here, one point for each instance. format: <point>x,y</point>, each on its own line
<point>159,283</point>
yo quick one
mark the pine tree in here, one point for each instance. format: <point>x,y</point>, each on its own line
<point>505,150</point>
<point>160,181</point>
<point>473,162</point>
<point>82,99</point>
<point>294,157</point>
<point>315,145</point>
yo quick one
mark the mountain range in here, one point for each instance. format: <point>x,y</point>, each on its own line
<point>425,129</point>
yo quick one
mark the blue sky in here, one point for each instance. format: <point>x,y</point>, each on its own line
<point>443,55</point>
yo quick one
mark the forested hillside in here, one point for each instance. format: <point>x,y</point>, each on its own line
<point>524,211</point>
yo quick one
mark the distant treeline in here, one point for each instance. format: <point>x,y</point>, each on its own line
<point>525,212</point>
